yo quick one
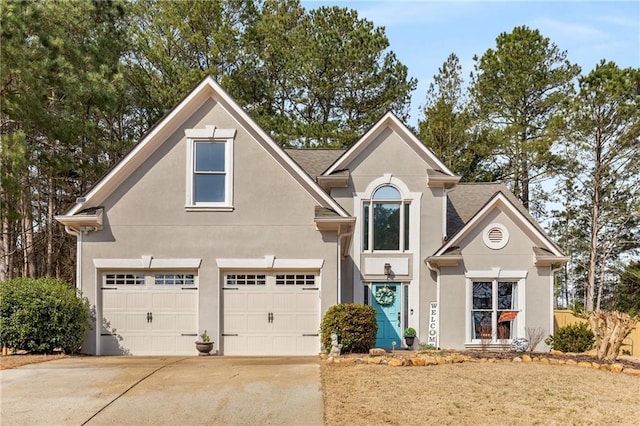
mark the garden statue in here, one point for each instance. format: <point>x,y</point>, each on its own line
<point>335,347</point>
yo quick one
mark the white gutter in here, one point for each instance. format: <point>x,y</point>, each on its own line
<point>553,278</point>
<point>339,280</point>
<point>445,237</point>
<point>78,235</point>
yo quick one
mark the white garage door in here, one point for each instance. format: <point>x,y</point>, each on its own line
<point>149,314</point>
<point>271,314</point>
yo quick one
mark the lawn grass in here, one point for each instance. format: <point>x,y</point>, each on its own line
<point>478,394</point>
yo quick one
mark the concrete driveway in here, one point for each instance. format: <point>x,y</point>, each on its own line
<point>163,390</point>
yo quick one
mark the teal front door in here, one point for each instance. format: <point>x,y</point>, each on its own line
<point>387,313</point>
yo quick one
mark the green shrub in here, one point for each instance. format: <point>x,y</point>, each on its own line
<point>571,338</point>
<point>42,315</point>
<point>410,332</point>
<point>354,324</point>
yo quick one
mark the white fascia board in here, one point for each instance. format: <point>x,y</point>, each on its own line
<point>146,146</point>
<point>79,221</point>
<point>147,262</point>
<point>314,264</point>
<point>269,262</point>
<point>176,263</point>
<point>390,120</point>
<point>277,153</point>
<point>499,199</point>
<point>206,89</point>
<point>496,273</point>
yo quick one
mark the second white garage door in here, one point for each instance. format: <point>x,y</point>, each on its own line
<point>271,314</point>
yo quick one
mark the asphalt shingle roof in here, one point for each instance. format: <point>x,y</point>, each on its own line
<point>466,199</point>
<point>314,161</point>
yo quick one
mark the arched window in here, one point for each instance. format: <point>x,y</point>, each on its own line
<point>386,221</point>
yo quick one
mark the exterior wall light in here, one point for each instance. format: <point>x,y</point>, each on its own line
<point>387,269</point>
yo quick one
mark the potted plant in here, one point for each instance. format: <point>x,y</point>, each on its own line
<point>204,345</point>
<point>409,336</point>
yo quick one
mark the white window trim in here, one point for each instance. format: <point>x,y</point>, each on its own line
<point>212,135</point>
<point>495,275</point>
<point>406,198</point>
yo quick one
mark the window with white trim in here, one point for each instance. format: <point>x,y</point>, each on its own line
<point>149,279</point>
<point>296,279</point>
<point>245,279</point>
<point>494,310</point>
<point>386,221</point>
<point>210,168</point>
<point>124,279</point>
<point>174,279</point>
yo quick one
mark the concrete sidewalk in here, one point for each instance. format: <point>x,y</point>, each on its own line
<point>163,390</point>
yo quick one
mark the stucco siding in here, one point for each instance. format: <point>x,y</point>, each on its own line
<point>516,256</point>
<point>273,215</point>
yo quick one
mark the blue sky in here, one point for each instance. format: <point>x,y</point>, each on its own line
<point>424,33</point>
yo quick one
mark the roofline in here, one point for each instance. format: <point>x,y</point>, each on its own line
<point>389,119</point>
<point>499,196</point>
<point>206,89</point>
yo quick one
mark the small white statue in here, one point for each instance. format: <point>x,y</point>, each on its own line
<point>335,347</point>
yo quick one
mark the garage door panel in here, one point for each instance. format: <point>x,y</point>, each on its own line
<point>277,318</point>
<point>235,323</point>
<point>143,319</point>
<point>307,322</point>
<point>174,322</point>
<point>283,302</point>
<point>259,301</point>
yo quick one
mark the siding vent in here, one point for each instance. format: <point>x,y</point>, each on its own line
<point>495,236</point>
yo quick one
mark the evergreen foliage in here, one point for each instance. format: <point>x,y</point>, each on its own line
<point>518,91</point>
<point>42,315</point>
<point>354,324</point>
<point>572,338</point>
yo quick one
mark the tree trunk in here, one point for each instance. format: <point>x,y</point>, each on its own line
<point>5,251</point>
<point>28,248</point>
<point>50,212</point>
<point>595,229</point>
<point>610,329</point>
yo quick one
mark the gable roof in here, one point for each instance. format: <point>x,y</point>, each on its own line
<point>468,204</point>
<point>205,90</point>
<point>314,161</point>
<point>389,120</point>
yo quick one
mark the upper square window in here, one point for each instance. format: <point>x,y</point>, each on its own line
<point>386,221</point>
<point>210,169</point>
<point>209,174</point>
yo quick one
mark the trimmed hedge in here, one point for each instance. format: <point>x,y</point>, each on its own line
<point>354,324</point>
<point>42,315</point>
<point>572,338</point>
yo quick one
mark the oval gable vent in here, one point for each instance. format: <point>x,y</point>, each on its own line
<point>495,236</point>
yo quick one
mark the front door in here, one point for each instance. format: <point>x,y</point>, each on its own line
<point>386,300</point>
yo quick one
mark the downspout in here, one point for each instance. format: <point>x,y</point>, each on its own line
<point>78,235</point>
<point>341,235</point>
<point>445,237</point>
<point>553,279</point>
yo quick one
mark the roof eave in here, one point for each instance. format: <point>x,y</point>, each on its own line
<point>442,181</point>
<point>549,260</point>
<point>333,223</point>
<point>435,262</point>
<point>81,223</point>
<point>328,182</point>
